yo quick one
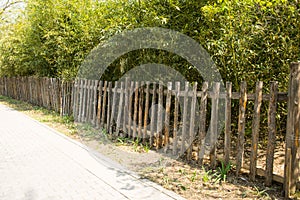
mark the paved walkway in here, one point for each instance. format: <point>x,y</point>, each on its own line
<point>37,162</point>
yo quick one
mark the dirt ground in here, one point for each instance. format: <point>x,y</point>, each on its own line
<point>187,179</point>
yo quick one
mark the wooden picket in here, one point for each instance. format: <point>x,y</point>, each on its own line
<point>292,149</point>
<point>173,117</point>
<point>255,129</point>
<point>50,93</point>
<point>272,133</point>
<point>128,108</point>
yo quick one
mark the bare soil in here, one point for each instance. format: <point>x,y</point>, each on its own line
<point>186,179</point>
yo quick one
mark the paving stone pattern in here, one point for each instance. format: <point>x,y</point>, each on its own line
<point>37,162</point>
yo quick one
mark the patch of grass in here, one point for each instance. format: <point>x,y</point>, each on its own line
<point>182,187</point>
<point>194,176</point>
<point>146,147</point>
<point>134,143</point>
<point>297,195</point>
<point>166,180</point>
<point>210,176</point>
<point>87,131</point>
<point>223,170</point>
<point>121,141</point>
<point>182,171</point>
<point>206,177</point>
<point>261,193</point>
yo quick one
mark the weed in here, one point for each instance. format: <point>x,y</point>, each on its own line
<point>206,175</point>
<point>104,133</point>
<point>261,193</point>
<point>215,176</point>
<point>223,170</point>
<point>135,145</point>
<point>194,176</point>
<point>297,195</point>
<point>244,194</point>
<point>146,147</point>
<point>182,171</point>
<point>166,180</point>
<point>181,186</point>
<point>121,141</point>
<point>161,169</point>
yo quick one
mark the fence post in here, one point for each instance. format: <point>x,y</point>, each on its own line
<point>255,129</point>
<point>241,127</point>
<point>272,133</point>
<point>292,134</point>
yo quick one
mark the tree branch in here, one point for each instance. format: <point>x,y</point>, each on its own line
<point>8,4</point>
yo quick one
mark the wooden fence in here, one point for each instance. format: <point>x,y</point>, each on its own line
<point>175,118</point>
<point>51,93</point>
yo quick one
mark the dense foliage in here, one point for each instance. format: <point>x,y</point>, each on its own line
<point>254,39</point>
<point>248,39</point>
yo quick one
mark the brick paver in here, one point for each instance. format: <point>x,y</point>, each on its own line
<point>37,162</point>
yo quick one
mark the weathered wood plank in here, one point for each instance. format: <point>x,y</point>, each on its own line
<point>146,112</point>
<point>95,103</point>
<point>113,108</point>
<point>120,108</point>
<point>108,116</point>
<point>288,174</point>
<point>255,129</point>
<point>125,112</point>
<point>90,102</point>
<point>293,123</point>
<point>104,99</point>
<point>135,109</point>
<point>51,93</point>
<point>81,106</point>
<point>241,127</point>
<point>175,123</point>
<point>159,127</point>
<point>64,105</point>
<point>282,96</point>
<point>65,98</point>
<point>192,122</point>
<point>167,117</point>
<point>58,89</point>
<point>84,106</point>
<point>227,134</point>
<point>76,99</point>
<point>42,94</point>
<point>87,101</point>
<point>152,121</point>
<point>140,111</point>
<point>69,99</point>
<point>68,110</point>
<point>202,123</point>
<point>130,92</point>
<point>99,106</point>
<point>272,133</point>
<point>184,119</point>
<point>214,125</point>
